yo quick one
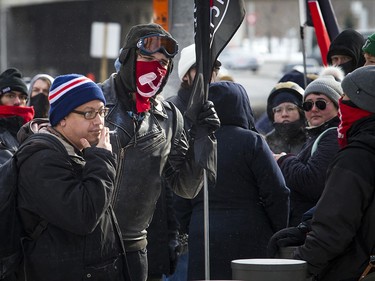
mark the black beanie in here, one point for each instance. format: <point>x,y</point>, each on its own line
<point>348,43</point>
<point>284,92</point>
<point>10,80</point>
<point>128,54</point>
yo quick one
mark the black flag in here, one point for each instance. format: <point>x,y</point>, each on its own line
<point>215,23</point>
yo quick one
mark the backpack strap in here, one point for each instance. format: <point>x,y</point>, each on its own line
<point>178,124</point>
<point>316,142</point>
<point>50,141</point>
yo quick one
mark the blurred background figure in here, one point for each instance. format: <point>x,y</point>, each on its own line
<point>38,92</point>
<point>284,109</point>
<point>249,201</point>
<point>345,50</point>
<point>369,50</point>
<point>13,111</point>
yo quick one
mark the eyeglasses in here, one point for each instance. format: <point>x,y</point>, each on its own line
<point>89,115</point>
<point>320,104</point>
<point>280,109</point>
<point>153,43</point>
<point>13,96</point>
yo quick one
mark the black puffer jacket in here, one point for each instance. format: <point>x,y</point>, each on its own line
<point>71,192</point>
<point>305,174</point>
<point>145,154</point>
<point>343,229</point>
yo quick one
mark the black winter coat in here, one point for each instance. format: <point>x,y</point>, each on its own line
<point>249,201</point>
<point>343,229</point>
<point>305,174</point>
<point>71,192</point>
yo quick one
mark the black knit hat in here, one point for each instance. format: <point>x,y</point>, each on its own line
<point>284,92</point>
<point>128,54</point>
<point>11,80</point>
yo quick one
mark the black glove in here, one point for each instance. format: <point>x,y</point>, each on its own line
<point>291,236</point>
<point>174,253</point>
<point>208,118</point>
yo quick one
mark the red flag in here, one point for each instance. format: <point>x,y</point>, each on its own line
<point>320,30</point>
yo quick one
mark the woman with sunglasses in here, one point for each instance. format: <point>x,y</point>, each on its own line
<point>305,172</point>
<point>341,242</point>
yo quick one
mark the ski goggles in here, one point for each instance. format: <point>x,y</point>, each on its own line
<point>153,43</point>
<point>320,104</point>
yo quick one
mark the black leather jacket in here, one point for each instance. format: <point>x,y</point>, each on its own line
<point>144,155</point>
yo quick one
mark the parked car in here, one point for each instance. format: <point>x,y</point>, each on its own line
<point>312,66</point>
<point>240,58</point>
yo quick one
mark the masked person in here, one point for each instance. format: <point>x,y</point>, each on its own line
<point>344,215</point>
<point>13,111</point>
<point>284,109</point>
<point>145,140</point>
<point>38,92</point>
<point>64,193</point>
<point>345,50</point>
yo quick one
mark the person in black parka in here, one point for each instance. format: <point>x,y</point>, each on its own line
<point>249,201</point>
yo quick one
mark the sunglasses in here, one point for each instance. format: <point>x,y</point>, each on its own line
<point>320,104</point>
<point>153,43</point>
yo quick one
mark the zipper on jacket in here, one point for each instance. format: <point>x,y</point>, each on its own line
<point>118,176</point>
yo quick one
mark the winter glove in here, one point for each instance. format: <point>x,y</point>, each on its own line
<point>174,253</point>
<point>207,120</point>
<point>291,236</point>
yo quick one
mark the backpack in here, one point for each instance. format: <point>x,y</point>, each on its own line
<point>11,230</point>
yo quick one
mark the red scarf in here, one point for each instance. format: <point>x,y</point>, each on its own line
<point>26,112</point>
<point>149,76</point>
<point>348,115</point>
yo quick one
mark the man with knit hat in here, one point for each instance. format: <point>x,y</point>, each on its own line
<point>341,239</point>
<point>65,189</point>
<point>346,50</point>
<point>284,109</point>
<point>13,111</point>
<point>148,143</point>
<point>369,50</point>
<point>305,172</point>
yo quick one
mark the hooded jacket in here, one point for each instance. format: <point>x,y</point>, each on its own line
<point>348,43</point>
<point>70,192</point>
<point>145,154</point>
<point>344,215</point>
<point>249,201</point>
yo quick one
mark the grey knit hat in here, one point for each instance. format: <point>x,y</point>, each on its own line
<point>326,85</point>
<point>359,86</point>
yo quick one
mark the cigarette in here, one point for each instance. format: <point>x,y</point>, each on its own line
<point>112,132</point>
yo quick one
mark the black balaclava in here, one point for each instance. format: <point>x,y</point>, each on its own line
<point>41,105</point>
<point>348,43</point>
<point>128,57</point>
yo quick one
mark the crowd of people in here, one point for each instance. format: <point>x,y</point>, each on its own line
<point>121,197</point>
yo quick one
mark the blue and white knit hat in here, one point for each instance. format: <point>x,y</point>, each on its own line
<point>70,91</point>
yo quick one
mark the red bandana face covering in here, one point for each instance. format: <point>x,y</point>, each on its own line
<point>348,115</point>
<point>149,75</point>
<point>26,112</point>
